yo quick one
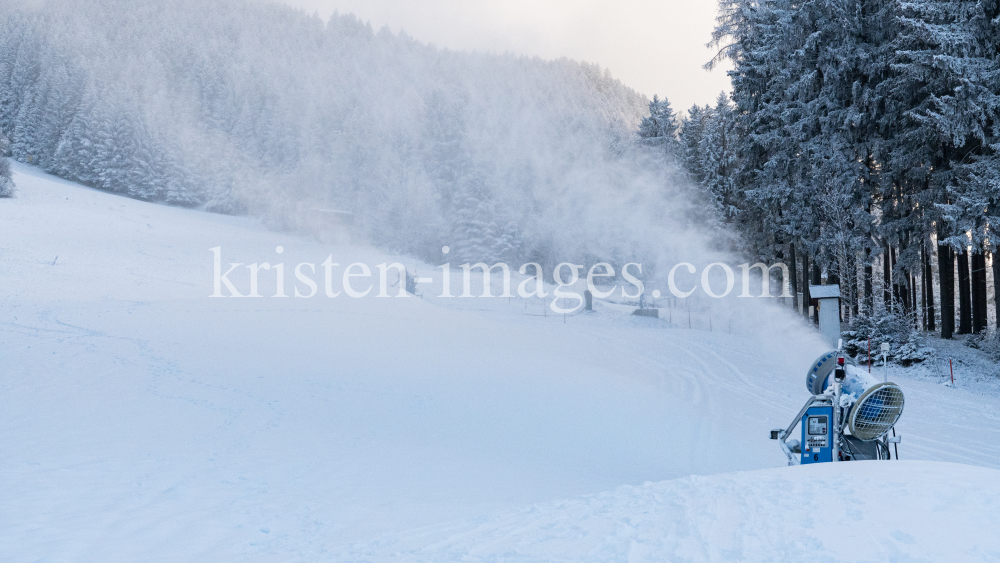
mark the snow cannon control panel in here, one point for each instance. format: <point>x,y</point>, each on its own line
<point>817,435</point>
<point>818,423</point>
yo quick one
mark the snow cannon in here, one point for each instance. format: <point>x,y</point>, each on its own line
<point>848,417</point>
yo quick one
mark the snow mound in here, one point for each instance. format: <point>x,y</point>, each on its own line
<point>863,511</point>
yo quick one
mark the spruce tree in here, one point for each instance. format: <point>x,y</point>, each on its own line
<point>691,135</point>
<point>658,130</point>
<point>6,181</point>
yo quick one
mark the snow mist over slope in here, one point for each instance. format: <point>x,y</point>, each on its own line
<point>249,107</point>
<point>141,420</point>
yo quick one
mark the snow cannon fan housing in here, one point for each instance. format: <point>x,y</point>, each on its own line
<point>874,406</point>
<point>817,378</point>
<point>876,411</point>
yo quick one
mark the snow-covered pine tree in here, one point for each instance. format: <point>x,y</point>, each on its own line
<point>473,227</point>
<point>6,182</point>
<point>691,134</point>
<point>507,242</point>
<point>719,158</point>
<point>659,129</point>
<point>760,39</point>
<point>76,155</point>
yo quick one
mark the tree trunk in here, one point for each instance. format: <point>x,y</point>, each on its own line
<point>833,278</point>
<point>929,282</point>
<point>923,288</point>
<point>794,275</point>
<point>886,281</point>
<point>806,297</point>
<point>974,294</point>
<point>852,277</point>
<point>869,294</point>
<point>978,292</point>
<point>899,295</point>
<point>996,286</point>
<point>946,272</point>
<point>906,288</point>
<point>964,294</point>
<point>817,280</point>
<point>984,294</point>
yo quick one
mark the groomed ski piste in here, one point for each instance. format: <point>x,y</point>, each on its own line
<point>141,420</point>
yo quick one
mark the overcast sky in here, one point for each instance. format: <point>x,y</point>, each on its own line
<point>653,46</point>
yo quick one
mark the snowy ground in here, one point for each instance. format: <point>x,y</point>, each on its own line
<point>866,511</point>
<point>141,420</point>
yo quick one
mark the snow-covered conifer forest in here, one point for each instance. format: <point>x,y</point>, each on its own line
<point>861,139</point>
<point>247,107</point>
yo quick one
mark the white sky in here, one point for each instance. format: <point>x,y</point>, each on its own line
<point>653,46</point>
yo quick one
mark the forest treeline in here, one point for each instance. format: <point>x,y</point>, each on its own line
<point>860,143</point>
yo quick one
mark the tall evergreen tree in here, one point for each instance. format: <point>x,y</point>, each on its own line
<point>6,181</point>
<point>719,157</point>
<point>691,134</point>
<point>659,129</point>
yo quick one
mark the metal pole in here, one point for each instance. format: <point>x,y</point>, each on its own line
<point>836,420</point>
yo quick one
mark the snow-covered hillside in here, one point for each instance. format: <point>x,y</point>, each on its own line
<point>141,420</point>
<point>252,107</point>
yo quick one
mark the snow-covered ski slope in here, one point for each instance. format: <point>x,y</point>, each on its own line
<point>141,420</point>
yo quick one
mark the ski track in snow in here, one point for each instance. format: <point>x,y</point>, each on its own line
<point>142,421</point>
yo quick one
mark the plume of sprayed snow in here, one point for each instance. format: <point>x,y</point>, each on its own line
<point>249,107</point>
